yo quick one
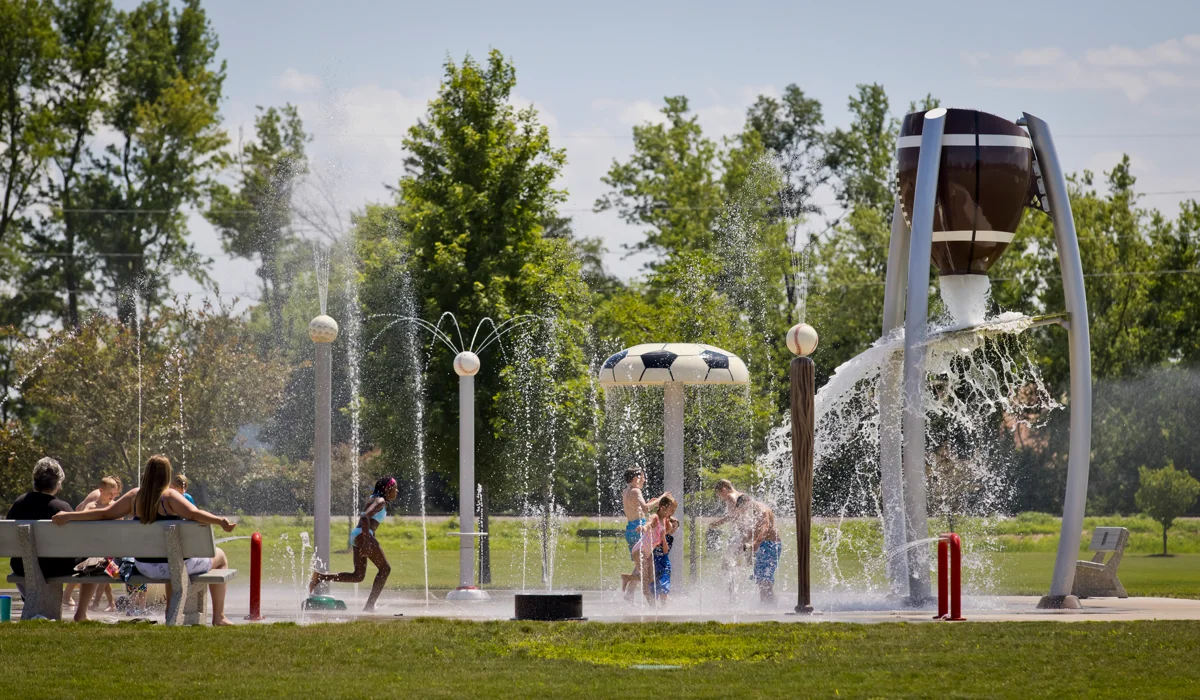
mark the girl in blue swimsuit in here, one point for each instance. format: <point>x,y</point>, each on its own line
<point>366,547</point>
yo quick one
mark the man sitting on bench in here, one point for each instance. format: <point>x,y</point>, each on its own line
<point>41,504</point>
<point>156,500</point>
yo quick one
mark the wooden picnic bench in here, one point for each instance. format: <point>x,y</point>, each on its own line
<point>173,540</point>
<point>1098,578</point>
<point>588,533</point>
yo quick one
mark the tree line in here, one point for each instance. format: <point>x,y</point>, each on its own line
<point>113,136</point>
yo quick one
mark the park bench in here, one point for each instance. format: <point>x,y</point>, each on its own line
<point>588,533</point>
<point>1098,578</point>
<point>173,540</point>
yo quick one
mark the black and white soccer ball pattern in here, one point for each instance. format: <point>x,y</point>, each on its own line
<point>662,363</point>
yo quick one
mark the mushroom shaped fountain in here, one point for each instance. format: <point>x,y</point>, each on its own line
<point>673,365</point>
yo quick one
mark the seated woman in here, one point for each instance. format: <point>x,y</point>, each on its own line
<point>41,504</point>
<point>156,500</point>
<point>365,545</point>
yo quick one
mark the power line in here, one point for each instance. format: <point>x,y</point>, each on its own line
<point>578,210</point>
<point>629,137</point>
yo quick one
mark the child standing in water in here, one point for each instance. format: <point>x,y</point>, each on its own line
<point>765,544</point>
<point>636,508</point>
<point>365,545</point>
<point>651,551</point>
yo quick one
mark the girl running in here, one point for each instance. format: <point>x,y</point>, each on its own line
<point>365,545</point>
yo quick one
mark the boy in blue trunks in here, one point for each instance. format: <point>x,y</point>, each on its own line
<point>636,508</point>
<point>766,547</point>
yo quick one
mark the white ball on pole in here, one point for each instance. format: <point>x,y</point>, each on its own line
<point>323,329</point>
<point>466,364</point>
<point>802,339</point>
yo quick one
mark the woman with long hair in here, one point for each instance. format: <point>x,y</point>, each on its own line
<point>365,545</point>
<point>155,500</point>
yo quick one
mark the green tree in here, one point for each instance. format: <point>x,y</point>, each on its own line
<point>670,184</point>
<point>1166,494</point>
<point>790,130</point>
<point>168,148</point>
<point>184,388</point>
<point>467,235</point>
<point>256,219</point>
<point>862,155</point>
<point>82,78</point>
<point>26,72</point>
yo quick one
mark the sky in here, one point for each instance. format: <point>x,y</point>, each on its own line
<point>1109,77</point>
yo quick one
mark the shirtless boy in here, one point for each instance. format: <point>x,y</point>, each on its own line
<point>636,509</point>
<point>729,496</point>
<point>766,547</point>
<point>109,490</point>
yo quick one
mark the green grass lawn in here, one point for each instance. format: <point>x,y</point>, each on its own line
<point>446,658</point>
<point>1021,554</point>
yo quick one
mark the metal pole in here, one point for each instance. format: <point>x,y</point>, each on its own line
<point>255,577</point>
<point>803,391</point>
<point>485,549</point>
<point>891,474</point>
<point>1080,354</point>
<point>466,481</point>
<point>916,317</point>
<point>673,403</point>
<point>321,459</point>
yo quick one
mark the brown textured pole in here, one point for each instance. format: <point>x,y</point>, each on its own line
<point>803,446</point>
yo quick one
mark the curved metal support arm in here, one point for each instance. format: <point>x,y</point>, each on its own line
<point>1079,351</point>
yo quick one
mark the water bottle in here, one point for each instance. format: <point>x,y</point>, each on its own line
<point>5,608</point>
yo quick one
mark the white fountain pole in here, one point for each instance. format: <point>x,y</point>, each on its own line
<point>323,330</point>
<point>915,319</point>
<point>673,405</point>
<point>466,365</point>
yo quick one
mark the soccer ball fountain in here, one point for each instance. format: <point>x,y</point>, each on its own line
<point>672,366</point>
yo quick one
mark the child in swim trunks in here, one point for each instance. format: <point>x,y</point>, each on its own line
<point>655,545</point>
<point>767,548</point>
<point>636,507</point>
<point>662,562</point>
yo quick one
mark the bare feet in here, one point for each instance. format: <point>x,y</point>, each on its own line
<point>222,622</point>
<point>112,607</point>
<point>81,614</point>
<point>629,585</point>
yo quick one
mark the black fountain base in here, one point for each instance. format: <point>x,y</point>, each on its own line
<point>549,606</point>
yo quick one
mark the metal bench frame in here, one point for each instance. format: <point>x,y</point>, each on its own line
<point>43,596</point>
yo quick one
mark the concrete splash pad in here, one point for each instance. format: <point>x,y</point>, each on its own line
<point>282,604</point>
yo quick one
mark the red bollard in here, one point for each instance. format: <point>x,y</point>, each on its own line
<point>955,578</point>
<point>943,584</point>
<point>255,577</point>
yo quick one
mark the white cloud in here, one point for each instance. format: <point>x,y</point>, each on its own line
<point>1134,72</point>
<point>1170,52</point>
<point>296,81</point>
<point>1039,57</point>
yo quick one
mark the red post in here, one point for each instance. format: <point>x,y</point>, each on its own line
<point>943,584</point>
<point>255,577</point>
<point>949,577</point>
<point>956,578</point>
